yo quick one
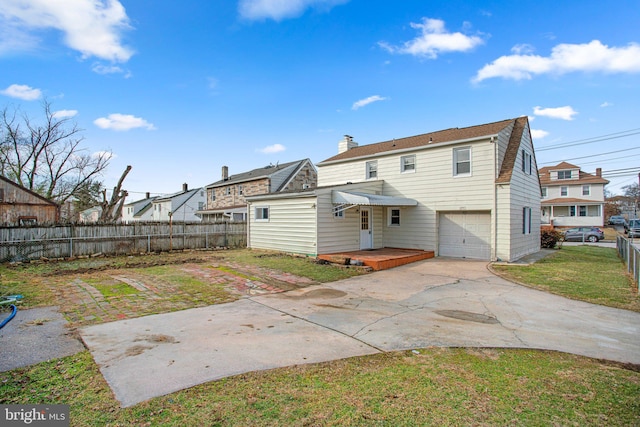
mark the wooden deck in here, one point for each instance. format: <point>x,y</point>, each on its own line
<point>382,259</point>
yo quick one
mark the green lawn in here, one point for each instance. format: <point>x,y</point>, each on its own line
<point>434,386</point>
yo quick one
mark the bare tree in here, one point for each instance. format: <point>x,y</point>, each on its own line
<point>47,157</point>
<point>112,208</point>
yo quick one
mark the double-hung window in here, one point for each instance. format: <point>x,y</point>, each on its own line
<point>586,190</point>
<point>394,217</point>
<point>408,164</point>
<point>462,161</point>
<point>372,169</point>
<point>564,191</point>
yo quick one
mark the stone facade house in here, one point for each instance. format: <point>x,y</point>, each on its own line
<point>226,198</point>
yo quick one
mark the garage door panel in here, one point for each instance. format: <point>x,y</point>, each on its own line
<point>465,235</point>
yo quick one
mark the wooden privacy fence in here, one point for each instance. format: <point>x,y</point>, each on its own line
<point>66,241</point>
<point>630,254</point>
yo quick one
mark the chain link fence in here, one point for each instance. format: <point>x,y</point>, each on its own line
<point>630,254</point>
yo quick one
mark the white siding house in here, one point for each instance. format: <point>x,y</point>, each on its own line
<point>571,197</point>
<point>180,206</point>
<point>471,192</point>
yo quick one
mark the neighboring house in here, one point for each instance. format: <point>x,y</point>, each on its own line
<point>21,206</point>
<point>90,215</point>
<point>471,192</point>
<point>571,197</point>
<point>180,206</point>
<point>621,205</point>
<point>140,210</point>
<point>226,199</point>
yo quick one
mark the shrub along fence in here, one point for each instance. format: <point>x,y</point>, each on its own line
<point>630,254</point>
<point>66,241</point>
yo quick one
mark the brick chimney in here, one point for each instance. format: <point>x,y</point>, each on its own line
<point>225,173</point>
<point>346,144</point>
<point>599,172</point>
<point>185,187</point>
<point>147,195</point>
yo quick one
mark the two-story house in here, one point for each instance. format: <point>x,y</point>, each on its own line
<point>226,199</point>
<point>21,206</point>
<point>181,206</point>
<point>139,210</point>
<point>464,192</point>
<point>571,197</point>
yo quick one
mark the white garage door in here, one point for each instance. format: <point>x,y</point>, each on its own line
<point>465,235</point>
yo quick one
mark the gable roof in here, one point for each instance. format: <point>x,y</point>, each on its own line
<point>511,153</point>
<point>33,193</point>
<point>438,137</point>
<point>140,206</point>
<point>177,199</point>
<point>583,177</point>
<point>280,172</point>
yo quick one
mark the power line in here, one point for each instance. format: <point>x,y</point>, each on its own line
<point>596,155</point>
<point>585,141</point>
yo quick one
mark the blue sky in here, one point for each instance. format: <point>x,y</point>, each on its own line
<point>179,89</point>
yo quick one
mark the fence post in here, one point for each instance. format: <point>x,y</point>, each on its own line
<point>70,247</point>
<point>148,243</point>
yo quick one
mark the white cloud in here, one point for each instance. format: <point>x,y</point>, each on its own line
<point>281,9</point>
<point>271,149</point>
<point>606,104</point>
<point>538,133</point>
<point>122,122</point>
<point>92,27</point>
<point>367,101</point>
<point>62,114</point>
<point>434,40</point>
<point>565,58</point>
<point>564,113</point>
<point>23,92</point>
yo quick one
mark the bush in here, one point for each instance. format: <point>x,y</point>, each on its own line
<point>549,238</point>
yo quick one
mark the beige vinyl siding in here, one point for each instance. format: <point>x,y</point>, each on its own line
<point>523,191</point>
<point>291,226</point>
<point>432,185</point>
<point>336,235</point>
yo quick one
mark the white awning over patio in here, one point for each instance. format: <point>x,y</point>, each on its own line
<point>344,200</point>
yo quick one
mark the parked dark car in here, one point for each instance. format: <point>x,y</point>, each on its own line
<point>583,234</point>
<point>617,220</point>
<point>633,229</point>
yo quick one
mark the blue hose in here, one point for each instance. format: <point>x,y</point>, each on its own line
<point>14,310</point>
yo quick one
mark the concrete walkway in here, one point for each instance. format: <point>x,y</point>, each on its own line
<point>437,302</point>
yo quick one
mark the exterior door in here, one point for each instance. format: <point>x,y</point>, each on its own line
<point>366,234</point>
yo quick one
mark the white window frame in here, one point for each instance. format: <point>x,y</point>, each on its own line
<point>545,191</point>
<point>338,215</point>
<point>259,214</point>
<point>456,152</point>
<point>526,220</point>
<point>240,190</point>
<point>564,173</point>
<point>391,216</point>
<point>566,191</point>
<point>586,187</point>
<point>408,164</point>
<point>371,169</point>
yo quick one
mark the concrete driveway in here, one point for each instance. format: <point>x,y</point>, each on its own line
<point>437,302</point>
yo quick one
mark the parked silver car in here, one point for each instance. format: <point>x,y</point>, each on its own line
<point>634,228</point>
<point>583,234</point>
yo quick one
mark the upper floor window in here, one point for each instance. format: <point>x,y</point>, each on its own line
<point>564,191</point>
<point>408,163</point>
<point>564,174</point>
<point>462,161</point>
<point>586,190</point>
<point>372,170</point>
<point>240,190</point>
<point>544,191</point>
<point>526,162</point>
<point>227,191</point>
